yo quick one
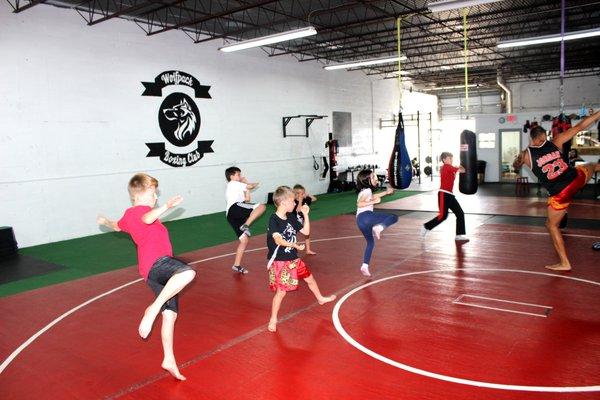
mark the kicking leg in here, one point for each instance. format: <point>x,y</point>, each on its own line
<point>173,286</point>
<point>256,213</point>
<point>382,221</point>
<point>166,333</point>
<point>312,285</point>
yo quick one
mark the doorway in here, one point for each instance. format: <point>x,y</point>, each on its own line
<point>510,145</point>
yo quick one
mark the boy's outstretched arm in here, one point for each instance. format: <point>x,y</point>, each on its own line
<point>108,223</point>
<point>155,213</point>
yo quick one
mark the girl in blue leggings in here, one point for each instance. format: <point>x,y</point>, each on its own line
<point>370,223</point>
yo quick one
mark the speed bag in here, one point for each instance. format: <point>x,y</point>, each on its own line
<point>399,167</point>
<point>467,181</point>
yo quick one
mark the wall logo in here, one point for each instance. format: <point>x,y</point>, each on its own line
<point>178,118</point>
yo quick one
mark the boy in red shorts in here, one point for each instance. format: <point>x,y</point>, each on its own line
<point>285,268</point>
<point>562,181</point>
<point>165,275</point>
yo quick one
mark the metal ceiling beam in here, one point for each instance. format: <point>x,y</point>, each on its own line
<point>322,31</point>
<point>124,11</point>
<point>17,8</point>
<point>475,19</point>
<point>213,16</point>
<point>492,33</point>
<point>323,52</point>
<point>458,32</point>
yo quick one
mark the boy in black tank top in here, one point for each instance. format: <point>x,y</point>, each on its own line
<point>562,181</point>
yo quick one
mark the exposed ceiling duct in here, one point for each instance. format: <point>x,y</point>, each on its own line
<point>507,93</point>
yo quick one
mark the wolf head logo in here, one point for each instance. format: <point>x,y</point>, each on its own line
<point>186,120</point>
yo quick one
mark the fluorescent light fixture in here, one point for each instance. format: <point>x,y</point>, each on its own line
<point>446,5</point>
<point>265,40</point>
<point>549,38</point>
<point>449,87</point>
<point>364,63</point>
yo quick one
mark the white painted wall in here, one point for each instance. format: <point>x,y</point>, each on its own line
<point>545,95</point>
<point>73,123</point>
<point>374,146</point>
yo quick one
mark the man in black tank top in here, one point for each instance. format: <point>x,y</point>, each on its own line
<point>562,181</point>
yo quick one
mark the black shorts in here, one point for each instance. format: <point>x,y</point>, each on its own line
<point>160,273</point>
<point>237,215</point>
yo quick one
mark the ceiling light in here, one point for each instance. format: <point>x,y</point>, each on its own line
<point>446,5</point>
<point>265,40</point>
<point>549,38</point>
<point>364,63</point>
<point>450,87</point>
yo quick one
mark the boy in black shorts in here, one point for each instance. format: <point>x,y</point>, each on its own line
<point>241,213</point>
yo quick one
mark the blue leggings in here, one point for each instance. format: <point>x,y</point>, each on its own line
<point>366,220</point>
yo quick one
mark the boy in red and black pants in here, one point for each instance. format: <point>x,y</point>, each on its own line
<point>446,200</point>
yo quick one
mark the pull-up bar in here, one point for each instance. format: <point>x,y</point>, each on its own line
<point>309,120</point>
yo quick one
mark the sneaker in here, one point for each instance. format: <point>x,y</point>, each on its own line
<point>246,229</point>
<point>424,231</point>
<point>239,269</point>
<point>377,229</point>
<point>461,238</point>
<point>365,270</point>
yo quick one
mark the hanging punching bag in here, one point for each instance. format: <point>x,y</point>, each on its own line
<point>467,182</point>
<point>399,167</point>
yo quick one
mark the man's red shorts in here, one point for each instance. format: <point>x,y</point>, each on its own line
<point>563,199</point>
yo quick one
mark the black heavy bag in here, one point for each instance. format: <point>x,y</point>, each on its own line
<point>400,168</point>
<point>467,182</point>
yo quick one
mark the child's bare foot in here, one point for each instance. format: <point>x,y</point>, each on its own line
<point>147,322</point>
<point>327,299</point>
<point>310,252</point>
<point>171,367</point>
<point>559,267</point>
<point>272,327</point>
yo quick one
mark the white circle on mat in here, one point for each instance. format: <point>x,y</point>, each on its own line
<point>353,342</point>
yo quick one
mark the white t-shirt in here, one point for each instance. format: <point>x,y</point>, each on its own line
<point>235,193</point>
<point>365,195</point>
